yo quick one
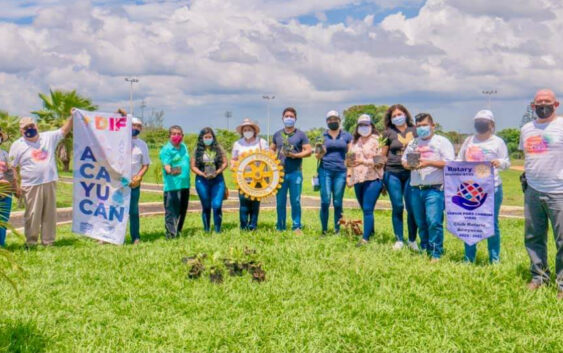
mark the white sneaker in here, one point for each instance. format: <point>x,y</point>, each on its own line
<point>398,245</point>
<point>413,246</point>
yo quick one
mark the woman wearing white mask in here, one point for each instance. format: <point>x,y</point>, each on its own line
<point>250,141</point>
<point>365,173</point>
<point>399,131</point>
<point>486,146</point>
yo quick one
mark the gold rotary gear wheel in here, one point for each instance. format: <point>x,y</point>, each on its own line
<point>258,174</point>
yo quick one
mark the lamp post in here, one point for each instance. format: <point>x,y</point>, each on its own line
<point>228,116</point>
<point>131,80</point>
<point>268,99</point>
<point>489,94</point>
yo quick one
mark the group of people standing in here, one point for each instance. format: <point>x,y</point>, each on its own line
<point>367,160</point>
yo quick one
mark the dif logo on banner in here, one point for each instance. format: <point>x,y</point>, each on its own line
<point>469,189</point>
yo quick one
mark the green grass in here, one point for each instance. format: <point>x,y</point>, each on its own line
<point>321,295</point>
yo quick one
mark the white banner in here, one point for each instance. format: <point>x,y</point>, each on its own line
<point>102,171</point>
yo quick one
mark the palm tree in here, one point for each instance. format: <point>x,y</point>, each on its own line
<point>10,125</point>
<point>56,109</point>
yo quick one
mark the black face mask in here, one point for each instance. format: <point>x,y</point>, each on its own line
<point>333,126</point>
<point>482,126</point>
<point>544,111</point>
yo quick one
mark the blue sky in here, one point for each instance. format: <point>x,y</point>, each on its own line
<point>197,59</point>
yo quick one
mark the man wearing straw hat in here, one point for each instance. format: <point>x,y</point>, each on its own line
<point>249,141</point>
<point>34,156</point>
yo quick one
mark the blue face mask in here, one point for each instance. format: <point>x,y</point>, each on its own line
<point>208,142</point>
<point>135,132</point>
<point>30,133</point>
<point>289,122</point>
<point>399,120</point>
<point>423,131</point>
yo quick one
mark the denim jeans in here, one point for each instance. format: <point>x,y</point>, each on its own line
<point>211,193</point>
<point>493,242</point>
<point>292,182</point>
<point>5,208</point>
<point>540,209</point>
<point>175,208</point>
<point>332,183</point>
<point>428,207</point>
<point>398,187</point>
<point>249,210</point>
<point>367,194</point>
<point>134,213</point>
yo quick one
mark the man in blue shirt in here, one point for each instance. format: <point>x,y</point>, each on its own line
<point>291,145</point>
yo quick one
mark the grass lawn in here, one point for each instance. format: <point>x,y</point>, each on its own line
<point>321,295</point>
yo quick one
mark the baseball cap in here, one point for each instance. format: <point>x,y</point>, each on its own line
<point>484,114</point>
<point>26,120</point>
<point>333,114</point>
<point>364,119</point>
<point>135,121</point>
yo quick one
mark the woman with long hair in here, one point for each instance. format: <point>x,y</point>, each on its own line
<point>399,131</point>
<point>209,163</point>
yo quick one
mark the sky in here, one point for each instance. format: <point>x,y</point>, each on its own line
<point>197,59</point>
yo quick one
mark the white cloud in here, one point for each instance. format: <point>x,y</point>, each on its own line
<point>214,54</point>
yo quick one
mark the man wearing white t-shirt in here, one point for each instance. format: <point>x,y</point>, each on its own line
<point>34,156</point>
<point>542,143</point>
<point>139,165</point>
<point>427,179</point>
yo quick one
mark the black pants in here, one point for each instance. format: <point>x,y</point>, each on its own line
<point>175,207</point>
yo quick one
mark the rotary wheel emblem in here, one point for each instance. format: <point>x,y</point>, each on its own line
<point>258,174</point>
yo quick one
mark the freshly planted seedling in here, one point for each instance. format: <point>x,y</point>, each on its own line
<point>215,270</point>
<point>258,274</point>
<point>195,264</point>
<point>352,228</point>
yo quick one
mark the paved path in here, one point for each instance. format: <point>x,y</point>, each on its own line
<point>64,215</point>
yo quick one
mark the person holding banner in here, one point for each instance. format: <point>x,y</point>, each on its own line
<point>486,146</point>
<point>365,171</point>
<point>7,186</point>
<point>249,141</point>
<point>209,163</point>
<point>175,161</point>
<point>292,145</point>
<point>331,156</point>
<point>426,157</point>
<point>399,131</point>
<point>542,143</point>
<point>140,162</point>
<point>34,155</point>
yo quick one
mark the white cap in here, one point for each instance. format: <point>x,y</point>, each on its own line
<point>484,114</point>
<point>364,118</point>
<point>333,114</point>
<point>136,121</point>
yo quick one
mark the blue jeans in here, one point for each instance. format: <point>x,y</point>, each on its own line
<point>211,193</point>
<point>134,214</point>
<point>367,194</point>
<point>332,183</point>
<point>398,187</point>
<point>493,242</point>
<point>428,207</point>
<point>292,182</point>
<point>249,210</point>
<point>5,208</point>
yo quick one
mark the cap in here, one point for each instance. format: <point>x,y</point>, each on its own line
<point>26,120</point>
<point>136,121</point>
<point>484,114</point>
<point>364,119</point>
<point>333,114</point>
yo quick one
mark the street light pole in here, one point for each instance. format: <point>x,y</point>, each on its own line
<point>489,94</point>
<point>268,99</point>
<point>228,115</point>
<point>131,80</point>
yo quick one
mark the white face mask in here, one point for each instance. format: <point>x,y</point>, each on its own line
<point>364,131</point>
<point>248,134</point>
